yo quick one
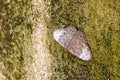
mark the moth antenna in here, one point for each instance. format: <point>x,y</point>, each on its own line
<point>67,25</point>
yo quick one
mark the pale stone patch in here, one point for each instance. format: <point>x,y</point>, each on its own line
<point>2,67</point>
<point>40,68</point>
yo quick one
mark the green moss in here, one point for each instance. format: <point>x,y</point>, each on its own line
<point>101,23</point>
<point>15,31</point>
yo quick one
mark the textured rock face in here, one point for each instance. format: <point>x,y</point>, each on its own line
<point>73,40</point>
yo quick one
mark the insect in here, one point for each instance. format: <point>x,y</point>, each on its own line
<point>74,41</point>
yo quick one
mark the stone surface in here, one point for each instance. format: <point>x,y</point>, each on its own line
<point>74,41</point>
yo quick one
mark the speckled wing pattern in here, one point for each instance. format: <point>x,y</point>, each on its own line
<point>74,41</point>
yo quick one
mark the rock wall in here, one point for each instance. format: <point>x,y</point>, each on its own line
<point>29,52</point>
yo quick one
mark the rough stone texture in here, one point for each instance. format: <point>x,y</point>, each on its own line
<point>2,67</point>
<point>100,21</point>
<point>40,69</point>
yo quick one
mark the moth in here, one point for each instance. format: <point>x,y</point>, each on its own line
<point>74,41</point>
